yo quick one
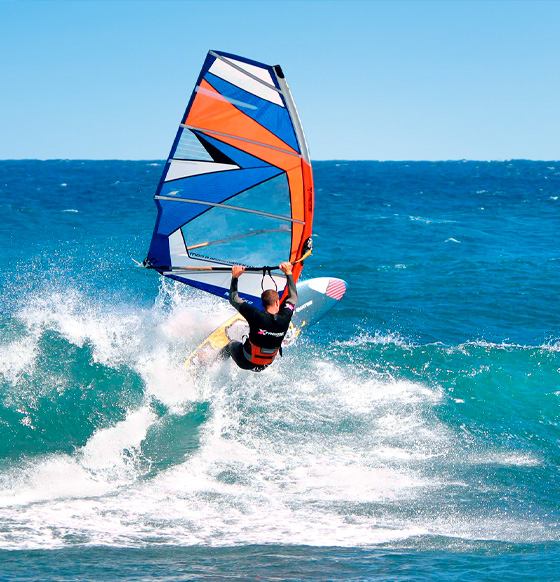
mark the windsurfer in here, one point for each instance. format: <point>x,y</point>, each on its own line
<point>266,328</point>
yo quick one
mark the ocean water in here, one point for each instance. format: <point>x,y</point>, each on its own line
<point>412,434</point>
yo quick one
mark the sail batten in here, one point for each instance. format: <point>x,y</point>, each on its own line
<point>292,153</point>
<point>192,201</point>
<point>240,168</point>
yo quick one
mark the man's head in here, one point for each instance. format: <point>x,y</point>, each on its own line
<point>270,300</point>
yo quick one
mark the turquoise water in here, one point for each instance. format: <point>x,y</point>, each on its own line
<point>411,435</point>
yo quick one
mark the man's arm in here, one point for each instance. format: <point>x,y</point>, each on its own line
<point>234,299</point>
<point>292,290</point>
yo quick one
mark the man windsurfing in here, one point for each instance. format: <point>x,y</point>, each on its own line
<point>266,328</point>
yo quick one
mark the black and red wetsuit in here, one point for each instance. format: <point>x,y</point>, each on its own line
<point>266,330</point>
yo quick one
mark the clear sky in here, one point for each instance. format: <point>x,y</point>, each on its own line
<point>378,80</point>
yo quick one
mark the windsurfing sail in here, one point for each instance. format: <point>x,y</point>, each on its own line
<point>237,187</point>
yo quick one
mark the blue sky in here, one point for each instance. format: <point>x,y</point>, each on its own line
<point>379,80</point>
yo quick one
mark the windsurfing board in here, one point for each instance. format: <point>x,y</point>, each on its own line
<point>316,297</point>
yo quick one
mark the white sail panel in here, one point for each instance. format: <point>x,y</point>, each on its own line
<point>249,84</point>
<point>184,168</point>
<point>177,249</point>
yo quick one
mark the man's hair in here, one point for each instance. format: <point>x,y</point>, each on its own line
<point>269,298</point>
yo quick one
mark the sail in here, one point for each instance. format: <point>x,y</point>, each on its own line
<point>237,187</point>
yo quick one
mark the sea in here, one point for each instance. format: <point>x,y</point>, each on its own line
<point>411,435</point>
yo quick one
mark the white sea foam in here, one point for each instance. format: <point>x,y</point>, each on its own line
<point>378,338</point>
<point>104,450</point>
<point>424,220</point>
<point>311,451</point>
<point>251,481</point>
<point>551,346</point>
<point>53,478</point>
<point>106,462</point>
<point>17,357</point>
<point>397,267</point>
<point>505,458</point>
<point>493,345</point>
<point>112,331</point>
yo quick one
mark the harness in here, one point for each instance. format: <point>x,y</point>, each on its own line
<point>260,356</point>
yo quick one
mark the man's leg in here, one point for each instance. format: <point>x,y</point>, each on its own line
<point>236,352</point>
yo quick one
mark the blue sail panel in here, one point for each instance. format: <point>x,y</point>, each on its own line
<point>209,188</point>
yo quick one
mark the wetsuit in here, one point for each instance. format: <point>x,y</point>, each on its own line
<point>266,330</point>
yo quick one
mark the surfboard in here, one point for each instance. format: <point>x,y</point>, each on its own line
<point>316,297</point>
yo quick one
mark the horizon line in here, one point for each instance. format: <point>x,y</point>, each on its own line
<point>164,160</point>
